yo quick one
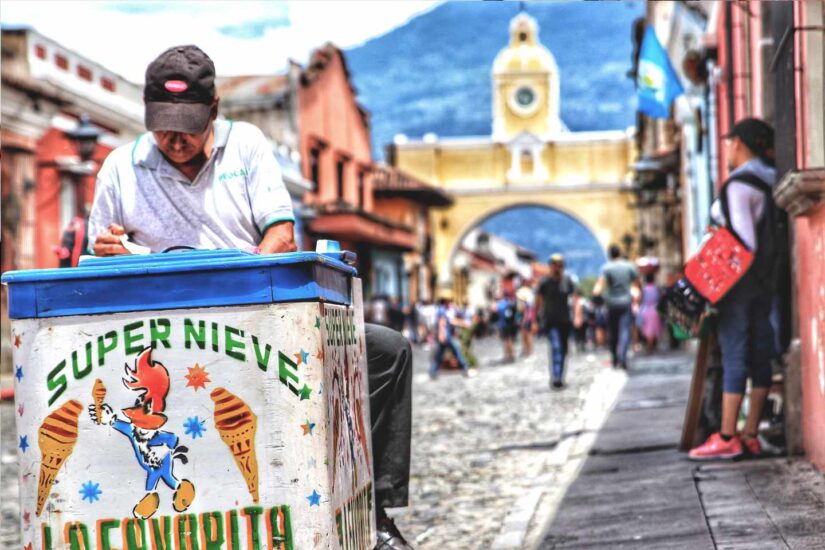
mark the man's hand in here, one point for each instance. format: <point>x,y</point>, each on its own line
<point>109,243</point>
<point>279,237</point>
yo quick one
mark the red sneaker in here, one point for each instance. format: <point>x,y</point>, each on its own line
<point>752,446</point>
<point>716,448</point>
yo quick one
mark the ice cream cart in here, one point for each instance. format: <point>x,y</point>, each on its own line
<point>197,400</point>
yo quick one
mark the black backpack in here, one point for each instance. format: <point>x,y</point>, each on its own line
<point>772,252</point>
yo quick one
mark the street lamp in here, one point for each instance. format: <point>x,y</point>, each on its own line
<point>84,137</point>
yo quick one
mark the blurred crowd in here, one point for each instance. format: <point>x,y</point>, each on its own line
<point>516,316</point>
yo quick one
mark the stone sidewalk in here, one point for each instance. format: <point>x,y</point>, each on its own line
<point>635,490</point>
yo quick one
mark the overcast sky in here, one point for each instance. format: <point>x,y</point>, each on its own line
<point>242,37</point>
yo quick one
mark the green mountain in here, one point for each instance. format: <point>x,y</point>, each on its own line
<point>433,73</point>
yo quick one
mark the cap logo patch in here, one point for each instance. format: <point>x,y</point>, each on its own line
<point>176,86</point>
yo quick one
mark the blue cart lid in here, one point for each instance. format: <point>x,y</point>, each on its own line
<point>192,279</point>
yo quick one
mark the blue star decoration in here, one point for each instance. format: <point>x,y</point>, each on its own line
<point>194,427</point>
<point>18,373</point>
<point>90,491</point>
<point>304,356</point>
<point>24,443</point>
<point>314,499</point>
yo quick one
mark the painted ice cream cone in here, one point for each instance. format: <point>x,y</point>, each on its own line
<point>236,424</point>
<point>56,438</point>
<point>98,394</point>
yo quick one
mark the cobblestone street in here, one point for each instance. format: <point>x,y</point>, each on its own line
<point>488,451</point>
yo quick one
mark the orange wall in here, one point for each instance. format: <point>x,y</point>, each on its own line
<point>398,210</point>
<point>327,111</point>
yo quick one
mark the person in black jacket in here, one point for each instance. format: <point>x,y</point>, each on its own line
<point>552,303</point>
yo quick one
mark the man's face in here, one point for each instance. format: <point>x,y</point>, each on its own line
<point>180,147</point>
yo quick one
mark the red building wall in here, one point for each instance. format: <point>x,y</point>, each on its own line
<point>52,145</point>
<point>810,251</point>
<point>742,73</point>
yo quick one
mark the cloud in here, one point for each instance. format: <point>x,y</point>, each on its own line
<point>252,30</point>
<point>125,36</point>
<point>137,7</point>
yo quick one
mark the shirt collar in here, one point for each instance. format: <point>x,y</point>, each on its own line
<point>757,167</point>
<point>145,151</point>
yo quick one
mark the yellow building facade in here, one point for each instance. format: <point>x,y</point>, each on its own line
<point>530,158</point>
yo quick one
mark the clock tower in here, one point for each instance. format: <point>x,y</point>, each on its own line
<point>525,86</point>
<point>530,157</point>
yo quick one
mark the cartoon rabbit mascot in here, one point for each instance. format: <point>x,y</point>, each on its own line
<point>155,450</point>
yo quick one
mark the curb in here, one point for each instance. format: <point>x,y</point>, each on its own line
<point>515,532</point>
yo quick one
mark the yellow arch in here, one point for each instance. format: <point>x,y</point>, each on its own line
<point>603,209</point>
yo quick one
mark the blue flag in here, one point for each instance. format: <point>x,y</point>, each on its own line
<point>657,82</point>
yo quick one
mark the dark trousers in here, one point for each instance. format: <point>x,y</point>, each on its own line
<point>389,362</point>
<point>745,336</point>
<point>558,336</point>
<point>580,336</point>
<point>618,328</point>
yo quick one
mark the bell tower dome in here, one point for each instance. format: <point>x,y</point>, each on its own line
<point>525,85</point>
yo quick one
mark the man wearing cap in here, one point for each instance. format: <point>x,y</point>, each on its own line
<point>196,182</point>
<point>552,301</point>
<point>745,334</point>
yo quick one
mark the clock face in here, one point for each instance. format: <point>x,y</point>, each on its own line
<point>525,96</point>
<point>524,100</point>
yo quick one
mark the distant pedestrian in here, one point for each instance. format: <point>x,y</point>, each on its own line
<point>649,320</point>
<point>615,284</point>
<point>428,315</point>
<point>445,338</point>
<point>508,324</point>
<point>552,301</point>
<point>599,321</point>
<point>395,315</point>
<point>527,318</point>
<point>379,310</point>
<point>579,306</point>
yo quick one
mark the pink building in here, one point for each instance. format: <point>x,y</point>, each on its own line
<point>773,67</point>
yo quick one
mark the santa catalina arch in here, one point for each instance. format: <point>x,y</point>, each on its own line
<point>530,158</point>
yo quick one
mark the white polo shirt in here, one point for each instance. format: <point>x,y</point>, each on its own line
<point>236,196</point>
